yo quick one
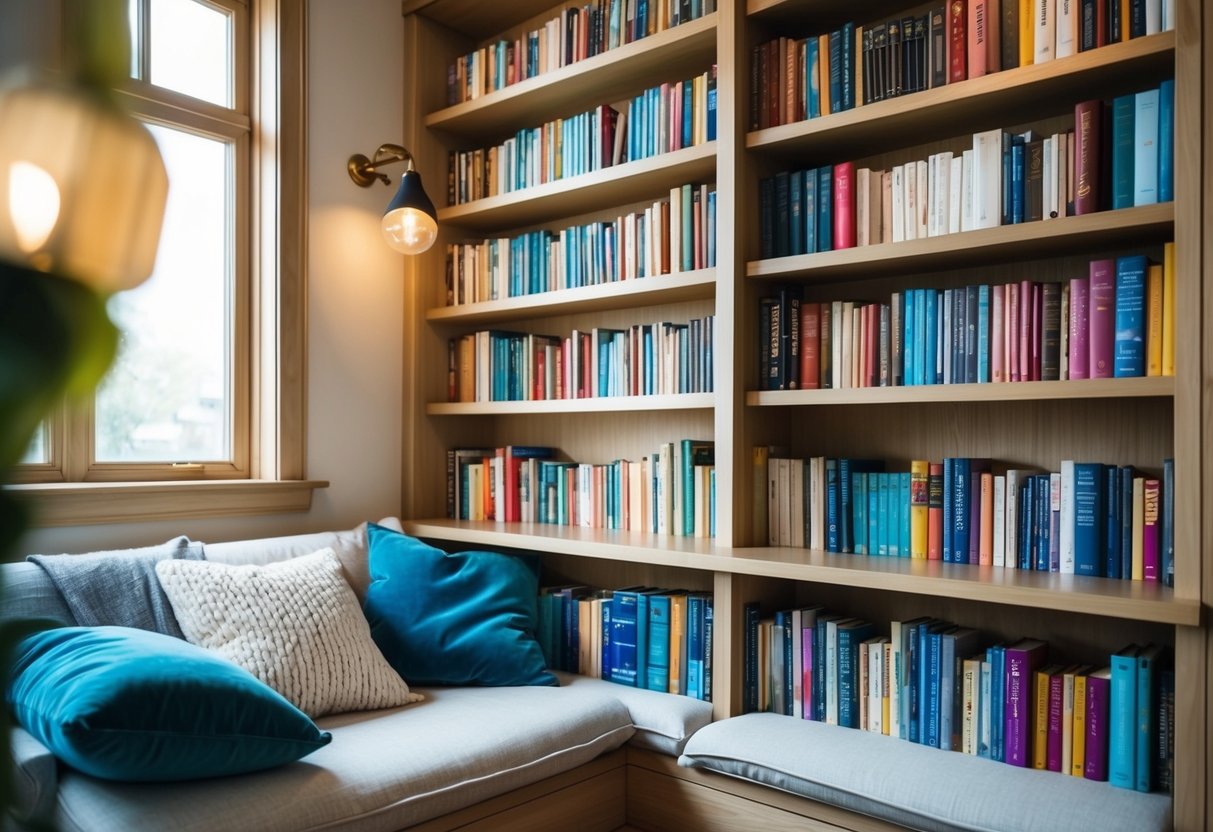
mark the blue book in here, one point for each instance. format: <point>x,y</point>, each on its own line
<point>836,100</point>
<point>1167,543</point>
<point>949,514</point>
<point>809,200</point>
<point>983,725</point>
<point>1145,148</point>
<point>908,345</point>
<point>882,520</point>
<point>695,646</point>
<point>1017,180</point>
<point>922,335</point>
<point>928,690</point>
<point>903,512</point>
<point>642,636</point>
<point>819,665</point>
<point>1111,520</point>
<point>711,114</point>
<point>961,508</point>
<point>1027,508</point>
<point>711,230</point>
<point>847,64</point>
<point>623,637</point>
<point>659,643</point>
<point>832,498</point>
<point>605,657</point>
<point>1007,177</point>
<point>1129,347</point>
<point>1126,521</point>
<point>1123,115</point>
<point>750,670</point>
<point>851,635</point>
<point>1088,518</point>
<point>688,107</point>
<point>795,209</point>
<point>1043,516</point>
<point>1166,141</point>
<point>844,505</point>
<point>1122,719</point>
<point>873,513</point>
<point>812,106</point>
<point>928,337</point>
<point>954,647</point>
<point>914,694</point>
<point>970,334</point>
<point>825,208</point>
<point>859,512</point>
<point>996,656</point>
<point>782,196</point>
<point>1146,718</point>
<point>983,334</point>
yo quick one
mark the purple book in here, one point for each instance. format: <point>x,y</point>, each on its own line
<point>1022,660</point>
<point>1099,694</point>
<point>806,685</point>
<point>1053,748</point>
<point>1149,537</point>
<point>1080,347</point>
<point>1101,312</point>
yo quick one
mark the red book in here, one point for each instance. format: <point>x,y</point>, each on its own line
<point>957,39</point>
<point>1099,697</point>
<point>540,374</point>
<point>1053,748</point>
<point>1150,528</point>
<point>844,205</point>
<point>1011,332</point>
<point>810,344</point>
<point>1080,348</point>
<point>1087,118</point>
<point>977,39</point>
<point>1101,313</point>
<point>935,511</point>
<point>1101,39</point>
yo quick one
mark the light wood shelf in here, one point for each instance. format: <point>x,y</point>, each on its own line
<point>1132,600</point>
<point>796,12</point>
<point>624,294</point>
<point>1016,391</point>
<point>476,18</point>
<point>998,100</point>
<point>1006,243</point>
<point>648,178</point>
<point>600,404</point>
<point>608,77</point>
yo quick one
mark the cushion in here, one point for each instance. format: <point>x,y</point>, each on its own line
<point>28,592</point>
<point>664,721</point>
<point>126,704</point>
<point>384,770</point>
<point>295,625</point>
<point>453,619</point>
<point>35,776</point>
<point>849,768</point>
<point>118,588</point>
<point>350,546</point>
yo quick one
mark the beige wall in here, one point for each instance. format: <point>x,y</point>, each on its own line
<point>355,294</point>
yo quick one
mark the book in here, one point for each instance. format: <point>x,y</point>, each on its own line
<point>1145,148</point>
<point>1099,696</point>
<point>1145,718</point>
<point>1022,660</point>
<point>1088,116</point>
<point>1102,316</point>
<point>1122,719</point>
<point>1129,348</point>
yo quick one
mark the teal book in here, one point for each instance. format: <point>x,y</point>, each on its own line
<point>1129,346</point>
<point>983,334</point>
<point>659,643</point>
<point>859,512</point>
<point>694,650</point>
<point>809,210</point>
<point>623,637</point>
<point>688,230</point>
<point>930,337</point>
<point>1146,722</point>
<point>1088,518</point>
<point>851,635</point>
<point>873,491</point>
<point>903,511</point>
<point>882,522</point>
<point>1166,141</point>
<point>1122,719</point>
<point>694,452</point>
<point>604,659</point>
<point>894,532</point>
<point>812,87</point>
<point>909,338</point>
<point>1123,112</point>
<point>825,208</point>
<point>1145,148</point>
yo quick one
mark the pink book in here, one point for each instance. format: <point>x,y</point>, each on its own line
<point>1080,349</point>
<point>806,687</point>
<point>1053,748</point>
<point>1101,313</point>
<point>844,205</point>
<point>996,359</point>
<point>1025,330</point>
<point>1099,696</point>
<point>978,37</point>
<point>1011,332</point>
<point>1150,527</point>
<point>1037,328</point>
<point>1022,660</point>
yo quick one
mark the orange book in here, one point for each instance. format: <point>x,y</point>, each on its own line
<point>1154,293</point>
<point>823,62</point>
<point>1168,309</point>
<point>678,629</point>
<point>985,549</point>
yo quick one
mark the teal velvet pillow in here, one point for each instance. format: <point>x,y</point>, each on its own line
<point>453,619</point>
<point>126,704</point>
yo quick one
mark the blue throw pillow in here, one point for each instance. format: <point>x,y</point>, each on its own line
<point>126,704</point>
<point>453,619</point>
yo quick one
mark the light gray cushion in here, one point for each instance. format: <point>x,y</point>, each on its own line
<point>350,547</point>
<point>912,785</point>
<point>384,770</point>
<point>35,776</point>
<point>30,593</point>
<point>663,721</point>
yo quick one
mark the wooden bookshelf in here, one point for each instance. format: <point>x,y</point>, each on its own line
<point>1016,391</point>
<point>600,404</point>
<point>617,185</point>
<point>1007,243</point>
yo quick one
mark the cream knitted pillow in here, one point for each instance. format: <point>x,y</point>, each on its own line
<point>295,625</point>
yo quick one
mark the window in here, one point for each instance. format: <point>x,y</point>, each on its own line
<point>208,383</point>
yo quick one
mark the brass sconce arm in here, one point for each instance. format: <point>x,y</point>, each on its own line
<point>366,171</point>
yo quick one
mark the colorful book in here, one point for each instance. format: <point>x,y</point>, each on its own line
<point>1099,697</point>
<point>1022,661</point>
<point>1122,719</point>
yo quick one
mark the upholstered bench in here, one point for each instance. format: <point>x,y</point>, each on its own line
<point>912,785</point>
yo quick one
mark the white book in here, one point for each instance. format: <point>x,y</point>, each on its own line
<point>894,673</point>
<point>1044,29</point>
<point>772,502</point>
<point>1048,181</point>
<point>817,503</point>
<point>875,650</point>
<point>941,193</point>
<point>898,192</point>
<point>675,223</point>
<point>932,186</point>
<point>1068,16</point>
<point>796,482</point>
<point>848,356</point>
<point>987,179</point>
<point>797,661</point>
<point>946,322</point>
<point>924,201</point>
<point>863,206</point>
<point>784,487</point>
<point>1067,718</point>
<point>836,371</point>
<point>1000,520</point>
<point>832,670</point>
<point>910,182</point>
<point>634,498</point>
<point>955,192</point>
<point>886,206</point>
<point>966,198</point>
<point>1153,17</point>
<point>1065,529</point>
<point>1168,15</point>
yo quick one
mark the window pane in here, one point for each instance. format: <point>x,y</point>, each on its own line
<point>168,399</point>
<point>36,453</point>
<point>191,49</point>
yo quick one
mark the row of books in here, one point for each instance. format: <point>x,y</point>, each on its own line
<point>660,120</point>
<point>644,360</point>
<point>931,682</point>
<point>577,33</point>
<point>671,491</point>
<point>642,637</point>
<point>1002,179</point>
<point>793,79</point>
<point>675,234</point>
<point>1117,322</point>
<point>1086,519</point>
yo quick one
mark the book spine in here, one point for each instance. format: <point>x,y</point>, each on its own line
<point>1102,317</point>
<point>1129,348</point>
<point>844,205</point>
<point>1087,154</point>
<point>1095,762</point>
<point>957,42</point>
<point>1122,718</point>
<point>1145,146</point>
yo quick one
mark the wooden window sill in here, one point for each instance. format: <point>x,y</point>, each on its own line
<point>82,504</point>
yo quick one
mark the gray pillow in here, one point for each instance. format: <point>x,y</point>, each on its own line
<point>119,588</point>
<point>30,593</point>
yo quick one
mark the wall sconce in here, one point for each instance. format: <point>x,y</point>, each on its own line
<point>410,223</point>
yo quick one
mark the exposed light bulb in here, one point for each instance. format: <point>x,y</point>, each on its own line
<point>33,204</point>
<point>409,230</point>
